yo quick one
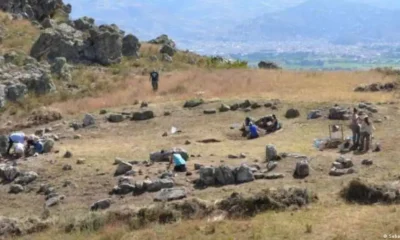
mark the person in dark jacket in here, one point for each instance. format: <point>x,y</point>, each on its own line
<point>154,77</point>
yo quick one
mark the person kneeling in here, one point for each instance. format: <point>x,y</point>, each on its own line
<point>178,162</point>
<point>253,131</point>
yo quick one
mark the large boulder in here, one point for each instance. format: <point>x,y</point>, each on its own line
<point>302,169</point>
<point>141,116</point>
<point>15,91</point>
<point>193,103</point>
<point>207,176</point>
<point>101,205</point>
<point>84,23</point>
<point>123,167</point>
<point>115,118</point>
<point>314,114</point>
<point>25,178</point>
<point>61,69</point>
<point>163,40</point>
<point>9,228</point>
<point>48,145</point>
<point>130,46</point>
<point>170,194</point>
<point>167,49</point>
<point>224,175</point>
<point>88,120</point>
<point>271,153</point>
<point>15,189</point>
<point>8,173</point>
<point>3,144</point>
<point>339,113</point>
<point>243,174</point>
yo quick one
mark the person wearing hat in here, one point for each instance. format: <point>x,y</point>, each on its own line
<point>179,163</point>
<point>366,130</point>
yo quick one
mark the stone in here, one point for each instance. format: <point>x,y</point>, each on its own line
<point>15,91</point>
<point>338,172</point>
<point>245,104</point>
<point>123,167</point>
<point>142,116</point>
<point>314,114</point>
<point>302,169</point>
<point>80,161</point>
<point>243,174</point>
<point>170,194</point>
<point>345,162</point>
<point>207,176</point>
<point>8,173</point>
<point>255,105</point>
<point>54,201</point>
<point>193,103</point>
<point>167,49</point>
<point>367,162</point>
<point>67,167</point>
<point>160,184</point>
<point>101,205</point>
<point>271,153</point>
<point>88,120</point>
<point>187,142</point>
<point>274,176</point>
<point>123,189</point>
<point>130,46</point>
<point>48,145</point>
<point>163,40</point>
<point>84,23</point>
<point>268,65</point>
<point>166,58</point>
<point>144,105</point>
<point>102,112</point>
<point>15,189</point>
<point>198,166</point>
<point>224,175</point>
<point>167,113</point>
<point>167,175</point>
<point>115,118</point>
<point>3,144</point>
<point>268,104</point>
<point>271,166</point>
<point>210,111</point>
<point>25,178</point>
<point>165,134</point>
<point>224,108</point>
<point>61,69</point>
<point>258,176</point>
<point>153,58</point>
<point>77,136</point>
<point>372,109</point>
<point>234,107</point>
<point>67,154</point>
<point>339,113</point>
<point>292,113</point>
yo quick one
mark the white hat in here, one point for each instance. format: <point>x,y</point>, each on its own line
<point>19,148</point>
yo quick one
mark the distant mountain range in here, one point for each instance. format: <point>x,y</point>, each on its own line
<point>342,22</point>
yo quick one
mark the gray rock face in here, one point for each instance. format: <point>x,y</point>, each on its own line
<point>292,113</point>
<point>167,49</point>
<point>101,205</point>
<point>338,113</point>
<point>84,23</point>
<point>302,169</point>
<point>33,9</point>
<point>123,167</point>
<point>61,69</point>
<point>224,175</point>
<point>115,118</point>
<point>16,91</point>
<point>130,46</point>
<point>160,184</point>
<point>15,189</point>
<point>26,178</point>
<point>3,144</point>
<point>170,194</point>
<point>9,173</point>
<point>207,176</point>
<point>88,120</point>
<point>107,44</point>
<point>244,174</point>
<point>271,153</point>
<point>123,189</point>
<point>141,116</point>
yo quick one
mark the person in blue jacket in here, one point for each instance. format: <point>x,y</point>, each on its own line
<point>178,162</point>
<point>253,131</point>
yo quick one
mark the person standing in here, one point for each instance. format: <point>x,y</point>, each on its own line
<point>355,129</point>
<point>154,77</point>
<point>366,133</point>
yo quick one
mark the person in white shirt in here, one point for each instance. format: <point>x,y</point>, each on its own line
<point>14,138</point>
<point>366,130</point>
<point>355,128</point>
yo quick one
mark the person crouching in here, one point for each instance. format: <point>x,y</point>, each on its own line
<point>178,162</point>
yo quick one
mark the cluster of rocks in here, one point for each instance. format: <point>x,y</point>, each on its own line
<point>376,87</point>
<point>268,65</point>
<point>225,175</point>
<point>21,74</point>
<point>19,179</point>
<point>339,113</point>
<point>368,106</point>
<point>342,166</point>
<point>134,116</point>
<point>52,198</point>
<point>127,185</point>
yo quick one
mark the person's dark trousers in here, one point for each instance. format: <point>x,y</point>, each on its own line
<point>356,136</point>
<point>365,139</point>
<point>180,168</point>
<point>10,143</point>
<point>155,85</point>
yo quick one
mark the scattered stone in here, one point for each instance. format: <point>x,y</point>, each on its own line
<point>167,49</point>
<point>170,194</point>
<point>209,140</point>
<point>144,105</point>
<point>142,116</point>
<point>210,111</point>
<point>268,65</point>
<point>54,201</point>
<point>339,113</point>
<point>16,188</point>
<point>367,162</point>
<point>160,184</point>
<point>187,142</point>
<point>234,107</point>
<point>88,120</point>
<point>377,148</point>
<point>77,136</point>
<point>224,108</point>
<point>340,172</point>
<point>245,104</point>
<point>344,162</point>
<point>314,114</point>
<point>302,169</point>
<point>271,166</point>
<point>292,113</point>
<point>101,205</point>
<point>268,105</point>
<point>243,174</point>
<point>274,176</point>
<point>25,178</point>
<point>48,145</point>
<point>130,46</point>
<point>68,154</point>
<point>207,176</point>
<point>189,174</point>
<point>271,153</point>
<point>165,134</point>
<point>198,166</point>
<point>8,173</point>
<point>123,167</point>
<point>255,105</point>
<point>103,111</point>
<point>167,175</point>
<point>115,118</point>
<point>123,189</point>
<point>242,155</point>
<point>80,161</point>
<point>224,175</point>
<point>193,103</point>
<point>67,167</point>
<point>166,58</point>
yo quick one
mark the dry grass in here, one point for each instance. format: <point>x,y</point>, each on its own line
<point>284,85</point>
<point>18,35</point>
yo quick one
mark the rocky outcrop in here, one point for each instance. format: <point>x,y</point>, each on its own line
<point>268,65</point>
<point>130,46</point>
<point>376,87</point>
<point>35,9</point>
<point>163,40</point>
